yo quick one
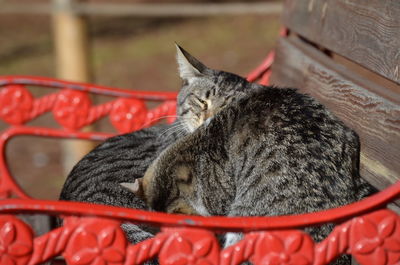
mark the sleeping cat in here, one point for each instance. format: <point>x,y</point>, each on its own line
<point>96,178</point>
<point>252,151</point>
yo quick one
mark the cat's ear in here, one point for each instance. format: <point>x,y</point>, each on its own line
<point>188,66</point>
<point>135,187</point>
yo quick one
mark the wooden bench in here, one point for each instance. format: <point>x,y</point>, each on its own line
<point>347,55</point>
<point>324,40</point>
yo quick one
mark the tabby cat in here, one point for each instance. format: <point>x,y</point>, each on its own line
<point>97,177</point>
<point>252,150</point>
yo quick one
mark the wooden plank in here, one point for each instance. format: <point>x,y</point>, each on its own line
<point>367,32</point>
<point>376,118</point>
<point>150,9</point>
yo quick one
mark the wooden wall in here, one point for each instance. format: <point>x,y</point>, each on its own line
<point>367,33</point>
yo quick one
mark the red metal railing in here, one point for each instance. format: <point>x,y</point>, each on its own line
<point>91,234</point>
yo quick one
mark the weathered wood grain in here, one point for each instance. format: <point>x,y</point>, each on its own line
<point>375,118</point>
<point>367,32</point>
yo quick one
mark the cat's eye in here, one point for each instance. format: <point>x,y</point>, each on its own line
<point>202,102</point>
<point>205,106</point>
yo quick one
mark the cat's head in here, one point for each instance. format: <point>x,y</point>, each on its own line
<point>167,186</point>
<point>204,91</point>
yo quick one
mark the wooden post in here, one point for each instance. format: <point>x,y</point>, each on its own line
<point>72,63</point>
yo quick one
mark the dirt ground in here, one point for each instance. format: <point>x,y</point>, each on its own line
<point>125,52</point>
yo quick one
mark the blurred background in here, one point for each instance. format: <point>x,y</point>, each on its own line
<point>120,43</point>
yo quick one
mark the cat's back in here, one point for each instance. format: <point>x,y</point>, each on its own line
<point>289,117</point>
<point>119,159</point>
<point>289,150</point>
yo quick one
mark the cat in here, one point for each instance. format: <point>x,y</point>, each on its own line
<point>97,177</point>
<point>252,150</point>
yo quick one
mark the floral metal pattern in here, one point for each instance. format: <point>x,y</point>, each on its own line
<point>96,242</point>
<point>71,109</point>
<point>128,115</point>
<point>192,247</point>
<point>15,241</point>
<point>16,104</point>
<point>376,238</point>
<point>284,247</point>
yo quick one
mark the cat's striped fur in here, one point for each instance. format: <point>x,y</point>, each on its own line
<point>264,151</point>
<point>97,177</point>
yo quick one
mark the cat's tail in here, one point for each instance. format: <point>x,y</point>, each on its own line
<point>135,234</point>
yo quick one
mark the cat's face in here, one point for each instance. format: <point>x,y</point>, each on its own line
<point>168,185</point>
<point>204,91</point>
<point>172,183</point>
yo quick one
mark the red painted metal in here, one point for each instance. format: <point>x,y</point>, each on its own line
<point>372,239</point>
<point>91,234</point>
<point>262,72</point>
<point>217,223</point>
<point>72,108</point>
<point>262,69</point>
<point>16,241</point>
<point>96,89</point>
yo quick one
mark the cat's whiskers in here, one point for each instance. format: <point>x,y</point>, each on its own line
<point>180,128</point>
<point>180,133</point>
<point>159,118</point>
<point>174,128</point>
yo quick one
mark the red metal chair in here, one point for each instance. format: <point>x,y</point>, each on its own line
<point>91,234</point>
